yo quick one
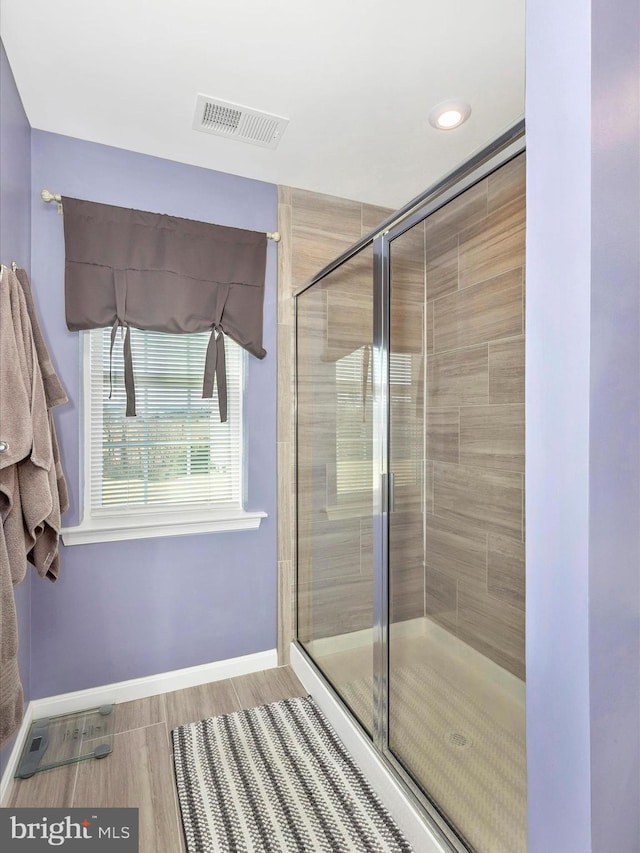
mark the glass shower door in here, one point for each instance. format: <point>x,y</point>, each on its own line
<point>455,521</point>
<point>410,495</point>
<point>335,479</point>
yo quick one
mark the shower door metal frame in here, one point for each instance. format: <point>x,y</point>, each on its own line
<point>479,166</point>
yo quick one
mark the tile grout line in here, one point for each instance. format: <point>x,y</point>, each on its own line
<point>75,784</point>
<point>237,695</point>
<point>176,802</point>
<point>136,728</point>
<point>172,782</point>
<point>163,714</point>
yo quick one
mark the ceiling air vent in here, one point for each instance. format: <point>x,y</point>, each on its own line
<point>235,122</point>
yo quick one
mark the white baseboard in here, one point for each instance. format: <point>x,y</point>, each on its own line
<point>404,812</point>
<point>152,685</point>
<point>14,756</point>
<point>127,691</point>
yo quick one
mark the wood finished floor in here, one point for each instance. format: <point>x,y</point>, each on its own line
<point>139,772</point>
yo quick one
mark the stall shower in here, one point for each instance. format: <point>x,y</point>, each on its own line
<point>410,494</point>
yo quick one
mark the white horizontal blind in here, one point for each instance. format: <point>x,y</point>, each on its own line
<point>354,424</point>
<point>354,421</point>
<point>175,451</point>
<point>407,433</point>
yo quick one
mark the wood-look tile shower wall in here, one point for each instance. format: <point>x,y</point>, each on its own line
<point>475,289</point>
<point>315,228</point>
<point>469,495</point>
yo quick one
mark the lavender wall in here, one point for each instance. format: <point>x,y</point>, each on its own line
<point>557,442</point>
<point>614,587</point>
<point>583,426</point>
<point>15,245</point>
<point>129,609</point>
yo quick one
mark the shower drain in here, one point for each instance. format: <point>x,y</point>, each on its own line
<point>459,740</point>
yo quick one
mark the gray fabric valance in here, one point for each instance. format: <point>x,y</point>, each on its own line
<point>128,268</point>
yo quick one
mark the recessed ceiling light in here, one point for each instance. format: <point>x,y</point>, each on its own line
<point>449,115</point>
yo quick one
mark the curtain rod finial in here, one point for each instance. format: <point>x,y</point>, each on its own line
<point>47,196</point>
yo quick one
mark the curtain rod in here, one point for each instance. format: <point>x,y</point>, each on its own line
<point>47,196</point>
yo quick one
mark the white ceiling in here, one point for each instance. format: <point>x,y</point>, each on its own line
<point>356,78</point>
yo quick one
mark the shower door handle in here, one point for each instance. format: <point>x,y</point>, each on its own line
<point>389,491</point>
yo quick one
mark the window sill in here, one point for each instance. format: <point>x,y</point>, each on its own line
<point>130,526</point>
<point>350,508</point>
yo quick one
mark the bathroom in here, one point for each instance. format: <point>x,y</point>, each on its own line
<point>121,610</point>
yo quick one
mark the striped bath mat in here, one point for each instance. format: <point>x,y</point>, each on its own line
<point>275,779</point>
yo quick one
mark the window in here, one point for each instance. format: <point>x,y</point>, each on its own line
<point>354,424</point>
<point>354,427</point>
<point>174,468</point>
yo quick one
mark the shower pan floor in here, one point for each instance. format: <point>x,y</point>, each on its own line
<point>456,721</point>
